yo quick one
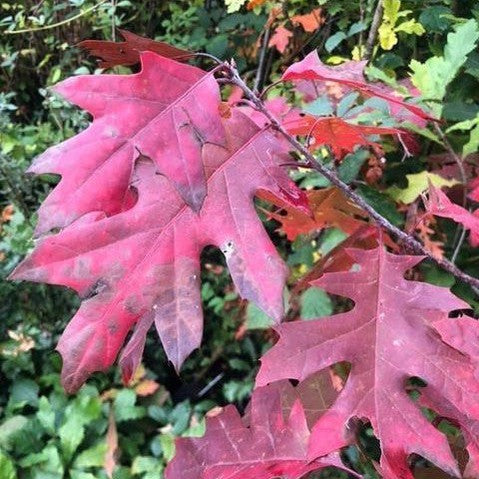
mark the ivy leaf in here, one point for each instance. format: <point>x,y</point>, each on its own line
<point>391,334</point>
<point>128,52</point>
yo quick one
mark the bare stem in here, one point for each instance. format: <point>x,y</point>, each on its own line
<point>409,242</point>
<point>373,31</point>
<point>260,72</point>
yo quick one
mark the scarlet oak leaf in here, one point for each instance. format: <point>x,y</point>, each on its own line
<point>311,68</point>
<point>154,112</point>
<point>439,204</point>
<point>142,265</point>
<point>342,137</point>
<point>128,52</point>
<point>388,337</point>
<point>271,441</point>
<point>280,38</point>
<point>329,208</point>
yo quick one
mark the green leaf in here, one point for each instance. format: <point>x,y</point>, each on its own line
<point>168,446</point>
<point>81,475</point>
<point>382,204</point>
<point>473,144</point>
<point>432,18</point>
<point>411,27</point>
<point>10,428</point>
<point>92,457</point>
<point>143,464</point>
<point>315,303</point>
<point>46,415</point>
<point>124,406</point>
<point>7,469</point>
<point>71,435</point>
<point>434,75</point>
<point>320,107</point>
<point>47,461</point>
<point>418,183</point>
<point>391,10</point>
<point>256,318</point>
<point>334,40</point>
<point>350,167</point>
<point>234,5</point>
<point>23,392</point>
<point>346,103</point>
<point>387,36</point>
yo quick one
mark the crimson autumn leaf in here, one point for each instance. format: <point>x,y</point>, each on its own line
<point>389,336</point>
<point>142,265</point>
<point>439,204</point>
<point>329,207</point>
<point>311,68</point>
<point>270,441</point>
<point>342,137</point>
<point>154,112</point>
<point>128,52</point>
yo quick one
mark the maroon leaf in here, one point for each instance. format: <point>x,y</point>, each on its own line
<point>271,441</point>
<point>145,261</point>
<point>128,52</point>
<point>388,337</point>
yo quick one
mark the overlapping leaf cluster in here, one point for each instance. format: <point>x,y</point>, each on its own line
<point>165,169</point>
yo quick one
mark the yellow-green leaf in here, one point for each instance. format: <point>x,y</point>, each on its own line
<point>418,183</point>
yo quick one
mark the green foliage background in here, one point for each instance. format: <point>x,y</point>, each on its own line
<point>47,435</point>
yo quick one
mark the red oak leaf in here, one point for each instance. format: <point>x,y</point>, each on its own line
<point>128,52</point>
<point>142,265</point>
<point>342,137</point>
<point>457,333</point>
<point>439,204</point>
<point>153,112</point>
<point>388,337</point>
<point>280,38</point>
<point>329,208</point>
<point>311,68</point>
<point>270,441</point>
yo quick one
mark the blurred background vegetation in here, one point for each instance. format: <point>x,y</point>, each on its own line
<point>108,430</point>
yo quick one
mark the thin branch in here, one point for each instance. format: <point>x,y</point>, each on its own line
<point>373,31</point>
<point>461,231</point>
<point>55,25</point>
<point>260,72</point>
<point>410,243</point>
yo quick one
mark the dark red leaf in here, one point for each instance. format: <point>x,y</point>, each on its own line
<point>128,52</point>
<point>271,441</point>
<point>389,336</point>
